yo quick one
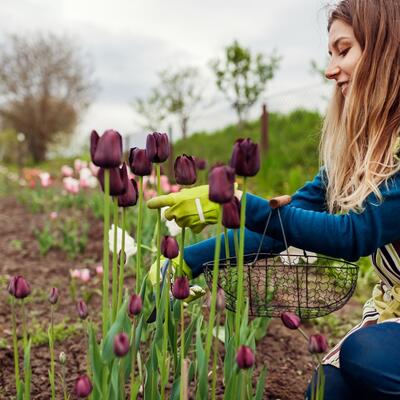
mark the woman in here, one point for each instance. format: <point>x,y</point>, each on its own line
<point>352,207</point>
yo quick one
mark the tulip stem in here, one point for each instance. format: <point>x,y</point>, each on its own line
<point>182,387</point>
<point>164,375</point>
<point>51,345</point>
<point>214,368</point>
<point>133,344</point>
<point>227,252</point>
<point>122,260</point>
<point>214,284</point>
<point>182,246</point>
<point>158,262</point>
<point>64,386</point>
<point>24,334</point>
<point>15,343</point>
<point>139,236</point>
<point>122,377</point>
<point>115,261</point>
<point>106,251</point>
<point>239,297</point>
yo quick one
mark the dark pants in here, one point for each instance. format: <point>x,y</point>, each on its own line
<point>369,366</point>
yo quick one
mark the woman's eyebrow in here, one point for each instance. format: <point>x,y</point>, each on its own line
<point>336,42</point>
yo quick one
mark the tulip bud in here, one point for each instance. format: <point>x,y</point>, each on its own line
<point>169,247</point>
<point>220,302</point>
<point>317,344</point>
<point>290,320</point>
<point>83,386</point>
<point>245,357</point>
<point>62,358</point>
<point>135,305</point>
<point>180,288</point>
<point>117,176</point>
<point>121,344</point>
<point>19,287</point>
<point>106,151</point>
<point>139,162</point>
<point>231,214</point>
<point>185,170</point>
<point>130,197</point>
<point>221,181</point>
<point>53,296</point>
<point>245,157</point>
<point>157,147</point>
<point>82,308</point>
<point>201,164</point>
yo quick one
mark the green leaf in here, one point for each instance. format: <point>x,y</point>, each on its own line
<point>260,385</point>
<point>189,335</point>
<point>27,370</point>
<point>115,381</point>
<point>95,361</point>
<point>202,369</point>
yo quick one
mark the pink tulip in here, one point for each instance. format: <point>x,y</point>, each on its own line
<point>94,169</point>
<point>85,275</point>
<point>75,273</point>
<point>67,171</point>
<point>54,215</point>
<point>165,185</point>
<point>99,269</point>
<point>45,180</point>
<point>71,185</point>
<point>149,194</point>
<point>174,188</point>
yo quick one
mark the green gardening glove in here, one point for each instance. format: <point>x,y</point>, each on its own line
<point>190,208</point>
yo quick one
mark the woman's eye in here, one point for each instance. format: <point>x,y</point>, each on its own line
<point>344,52</point>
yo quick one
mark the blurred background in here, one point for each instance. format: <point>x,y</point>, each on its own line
<point>70,66</point>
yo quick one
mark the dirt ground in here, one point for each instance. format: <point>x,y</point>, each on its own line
<point>284,352</point>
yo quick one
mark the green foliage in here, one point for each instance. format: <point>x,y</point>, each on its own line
<point>242,77</point>
<point>74,237</point>
<point>292,158</point>
<point>45,239</point>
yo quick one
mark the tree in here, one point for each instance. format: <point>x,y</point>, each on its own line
<point>151,109</point>
<point>45,85</point>
<point>181,94</point>
<point>242,77</point>
<point>177,92</point>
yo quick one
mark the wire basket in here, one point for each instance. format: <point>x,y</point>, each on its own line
<point>309,285</point>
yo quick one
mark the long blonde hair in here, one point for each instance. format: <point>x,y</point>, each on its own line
<point>360,131</point>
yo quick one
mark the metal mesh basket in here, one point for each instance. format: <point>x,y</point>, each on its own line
<point>309,285</point>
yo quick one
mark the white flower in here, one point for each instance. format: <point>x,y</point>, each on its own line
<point>173,228</point>
<point>307,256</point>
<point>130,245</point>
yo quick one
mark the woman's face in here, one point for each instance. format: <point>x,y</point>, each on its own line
<point>345,53</point>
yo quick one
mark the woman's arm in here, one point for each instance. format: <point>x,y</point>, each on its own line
<point>310,197</point>
<point>348,236</point>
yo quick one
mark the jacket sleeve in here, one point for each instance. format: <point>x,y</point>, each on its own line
<point>348,236</point>
<point>310,197</point>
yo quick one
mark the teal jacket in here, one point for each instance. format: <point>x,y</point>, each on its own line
<point>308,225</point>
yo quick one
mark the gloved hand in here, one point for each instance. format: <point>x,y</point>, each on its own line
<point>190,208</point>
<point>195,290</point>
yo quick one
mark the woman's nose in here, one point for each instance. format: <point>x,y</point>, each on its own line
<point>332,71</point>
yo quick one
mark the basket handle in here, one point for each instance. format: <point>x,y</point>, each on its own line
<point>279,201</point>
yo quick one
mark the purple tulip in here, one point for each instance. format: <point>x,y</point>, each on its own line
<point>169,247</point>
<point>231,214</point>
<point>139,162</point>
<point>117,177</point>
<point>53,296</point>
<point>157,147</point>
<point>245,157</point>
<point>82,308</point>
<point>19,287</point>
<point>121,344</point>
<point>245,357</point>
<point>290,320</point>
<point>130,197</point>
<point>201,164</point>
<point>180,288</point>
<point>135,305</point>
<point>185,170</point>
<point>221,181</point>
<point>83,386</point>
<point>317,344</point>
<point>106,151</point>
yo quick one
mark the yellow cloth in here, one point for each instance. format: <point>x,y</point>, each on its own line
<point>387,307</point>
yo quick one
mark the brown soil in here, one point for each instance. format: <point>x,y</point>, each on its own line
<point>284,352</point>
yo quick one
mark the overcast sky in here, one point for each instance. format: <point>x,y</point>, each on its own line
<point>129,41</point>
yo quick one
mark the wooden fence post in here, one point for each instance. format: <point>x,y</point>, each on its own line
<point>264,130</point>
